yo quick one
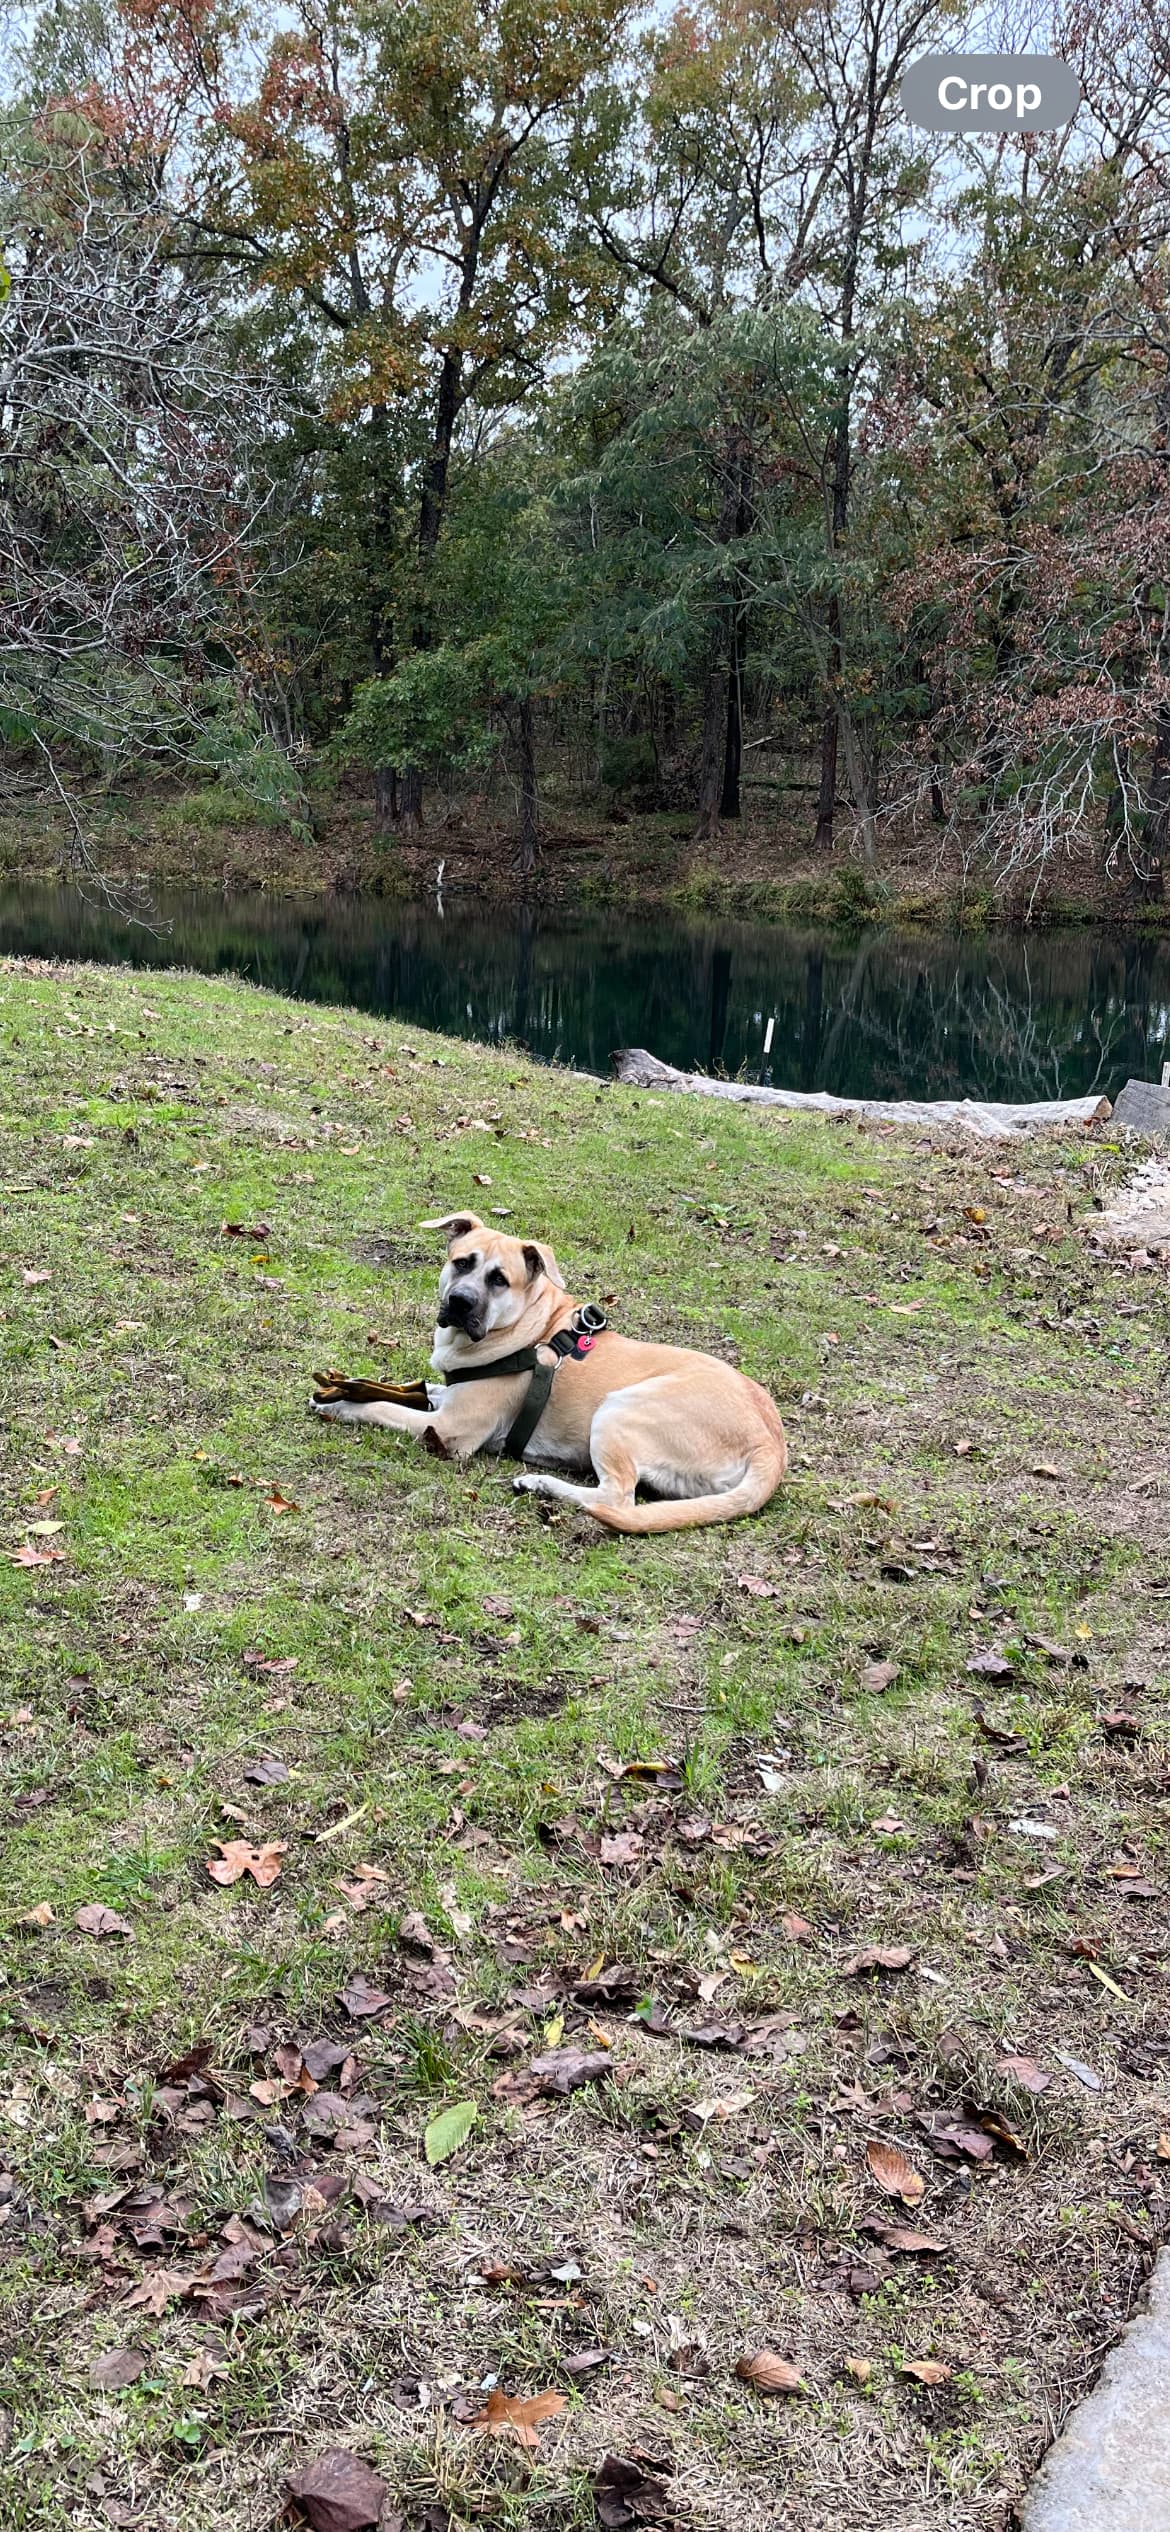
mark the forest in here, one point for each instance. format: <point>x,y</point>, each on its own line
<point>559,399</point>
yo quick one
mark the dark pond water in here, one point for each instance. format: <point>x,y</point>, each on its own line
<point>886,1014</point>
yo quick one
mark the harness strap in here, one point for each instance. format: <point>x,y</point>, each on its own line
<point>576,1341</point>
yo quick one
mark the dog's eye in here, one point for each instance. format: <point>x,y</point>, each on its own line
<point>496,1278</point>
<point>462,1265</point>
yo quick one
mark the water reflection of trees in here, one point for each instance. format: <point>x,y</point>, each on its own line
<point>884,1015</point>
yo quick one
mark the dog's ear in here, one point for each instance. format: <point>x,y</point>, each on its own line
<point>540,1261</point>
<point>456,1225</point>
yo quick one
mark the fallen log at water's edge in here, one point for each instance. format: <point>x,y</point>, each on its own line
<point>991,1119</point>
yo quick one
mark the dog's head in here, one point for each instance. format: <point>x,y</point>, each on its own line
<point>489,1281</point>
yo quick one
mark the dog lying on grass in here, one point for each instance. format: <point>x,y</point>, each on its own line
<point>524,1369</point>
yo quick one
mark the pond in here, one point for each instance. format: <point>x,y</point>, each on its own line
<point>883,1014</point>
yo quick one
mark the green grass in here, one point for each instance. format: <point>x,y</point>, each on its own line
<point>137,1117</point>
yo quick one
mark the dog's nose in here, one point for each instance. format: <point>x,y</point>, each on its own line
<point>457,1309</point>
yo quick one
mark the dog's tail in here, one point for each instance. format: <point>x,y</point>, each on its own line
<point>763,1473</point>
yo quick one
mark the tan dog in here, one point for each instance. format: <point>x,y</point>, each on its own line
<point>690,1428</point>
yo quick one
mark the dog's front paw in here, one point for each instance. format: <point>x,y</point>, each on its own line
<point>327,1406</point>
<point>526,1485</point>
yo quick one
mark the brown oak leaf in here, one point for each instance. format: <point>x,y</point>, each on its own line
<point>238,1856</point>
<point>513,2413</point>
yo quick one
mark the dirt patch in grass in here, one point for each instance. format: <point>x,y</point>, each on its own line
<point>727,1875</point>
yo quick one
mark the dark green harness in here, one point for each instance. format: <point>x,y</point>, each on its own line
<point>574,1341</point>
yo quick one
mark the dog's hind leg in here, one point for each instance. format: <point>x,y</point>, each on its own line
<point>616,1466</point>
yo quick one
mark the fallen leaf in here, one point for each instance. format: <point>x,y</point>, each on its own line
<point>280,1503</point>
<point>889,1825</point>
<point>1110,1984</point>
<point>878,1676</point>
<point>894,2172</point>
<point>797,1929</point>
<point>30,1275</point>
<point>902,2237</point>
<point>28,1555</point>
<point>444,2135</point>
<point>361,2000</point>
<point>339,2492</point>
<point>770,2373</point>
<point>926,2369</point>
<point>564,2070</point>
<point>266,1771</point>
<point>40,1916</point>
<point>1025,2071</point>
<point>623,1848</point>
<point>722,2106</point>
<point>237,1857</point>
<point>664,1773</point>
<point>512,2413</point>
<point>103,1922</point>
<point>991,1666</point>
<point>1001,1734</point>
<point>629,2492</point>
<point>995,2124</point>
<point>756,1586</point>
<point>202,2369</point>
<point>1084,2074</point>
<point>363,1887</point>
<point>879,1956</point>
<point>860,2368</point>
<point>156,2291</point>
<point>118,2368</point>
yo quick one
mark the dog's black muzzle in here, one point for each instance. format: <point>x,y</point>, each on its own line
<point>460,1310</point>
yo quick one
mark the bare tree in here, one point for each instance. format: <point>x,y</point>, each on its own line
<point>133,497</point>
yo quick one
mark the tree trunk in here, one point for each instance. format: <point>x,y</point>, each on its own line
<point>827,795</point>
<point>432,504</point>
<point>385,777</point>
<point>729,804</point>
<point>835,660</point>
<point>859,786</point>
<point>528,862</point>
<point>719,759</point>
<point>710,785</point>
<point>410,799</point>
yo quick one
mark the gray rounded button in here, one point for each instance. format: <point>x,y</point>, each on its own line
<point>990,92</point>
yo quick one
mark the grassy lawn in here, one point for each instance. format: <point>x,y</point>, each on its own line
<point>842,1908</point>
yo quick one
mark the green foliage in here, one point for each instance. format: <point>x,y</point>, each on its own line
<point>445,2134</point>
<point>607,432</point>
<point>427,715</point>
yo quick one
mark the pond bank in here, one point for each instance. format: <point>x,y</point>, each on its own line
<point>756,869</point>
